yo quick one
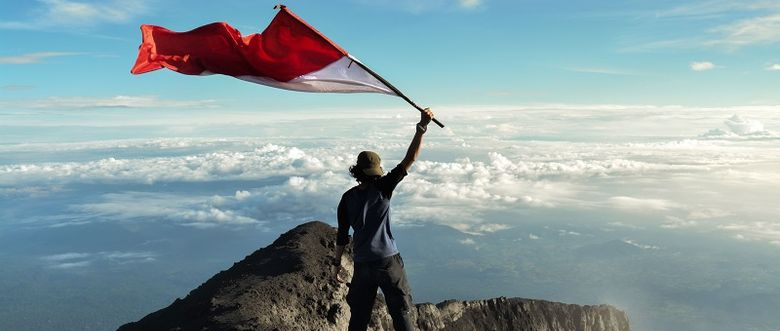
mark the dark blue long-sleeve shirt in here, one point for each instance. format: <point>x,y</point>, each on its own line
<point>367,210</point>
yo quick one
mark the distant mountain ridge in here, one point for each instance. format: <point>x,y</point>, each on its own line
<point>288,286</point>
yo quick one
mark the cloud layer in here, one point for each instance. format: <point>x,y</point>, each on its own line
<point>500,167</point>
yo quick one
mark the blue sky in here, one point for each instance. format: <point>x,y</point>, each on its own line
<point>438,52</point>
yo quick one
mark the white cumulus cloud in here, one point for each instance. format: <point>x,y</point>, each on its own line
<point>263,162</point>
<point>144,206</point>
<point>642,204</point>
<point>77,260</point>
<point>65,256</point>
<point>673,222</point>
<point>702,66</point>
<point>768,231</point>
<point>738,126</point>
<point>742,126</point>
<point>642,246</point>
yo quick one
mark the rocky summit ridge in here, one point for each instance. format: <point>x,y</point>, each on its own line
<point>288,286</point>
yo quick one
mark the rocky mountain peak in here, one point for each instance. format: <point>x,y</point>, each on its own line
<point>288,286</point>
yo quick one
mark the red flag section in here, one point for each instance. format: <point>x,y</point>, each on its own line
<point>288,54</point>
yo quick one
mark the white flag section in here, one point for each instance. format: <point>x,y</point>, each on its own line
<point>342,76</point>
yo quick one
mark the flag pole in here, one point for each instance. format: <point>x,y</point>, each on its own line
<point>367,69</point>
<point>393,88</point>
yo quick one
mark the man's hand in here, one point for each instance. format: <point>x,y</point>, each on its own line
<point>337,263</point>
<point>337,273</point>
<point>426,116</point>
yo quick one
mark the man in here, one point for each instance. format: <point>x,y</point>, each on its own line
<point>378,264</point>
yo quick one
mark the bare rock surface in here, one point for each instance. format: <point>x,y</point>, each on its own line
<point>288,286</point>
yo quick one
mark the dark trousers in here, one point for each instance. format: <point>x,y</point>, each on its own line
<point>389,275</point>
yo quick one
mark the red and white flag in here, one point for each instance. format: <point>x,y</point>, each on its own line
<point>289,54</point>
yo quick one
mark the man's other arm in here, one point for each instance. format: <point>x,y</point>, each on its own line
<point>342,238</point>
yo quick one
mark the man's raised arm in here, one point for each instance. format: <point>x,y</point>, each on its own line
<point>414,147</point>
